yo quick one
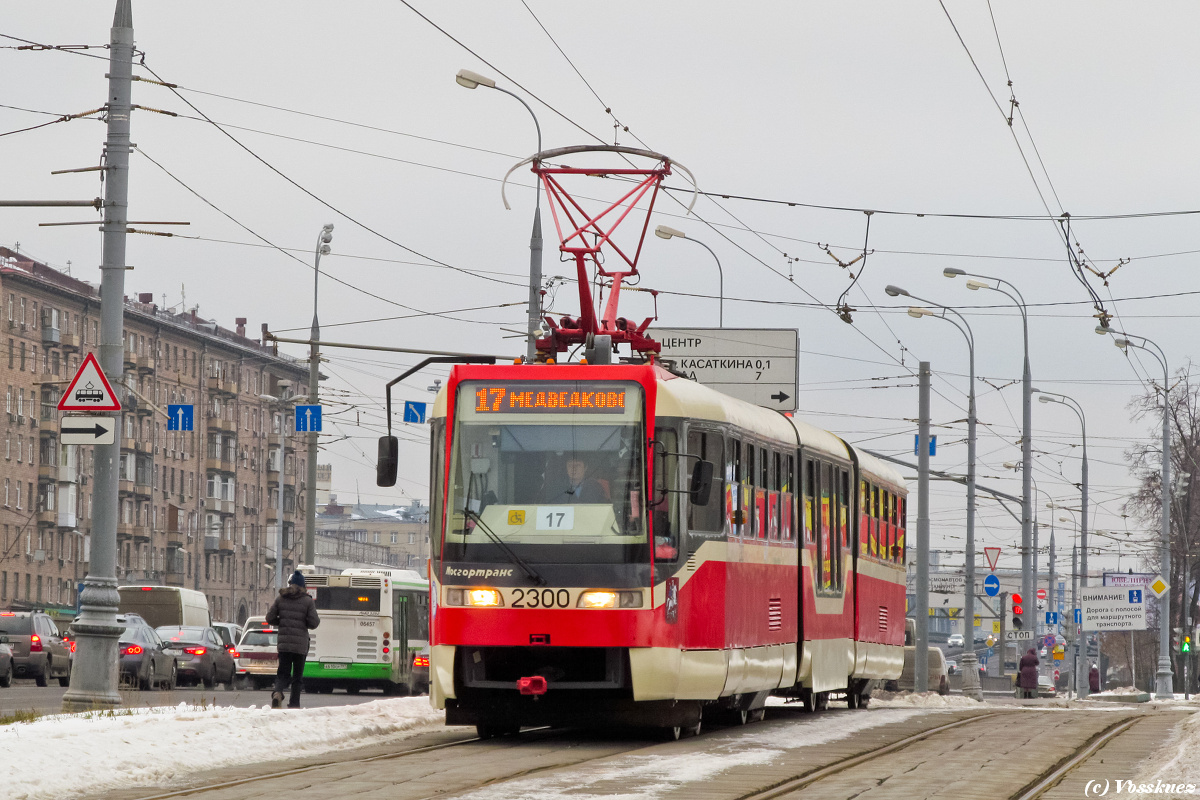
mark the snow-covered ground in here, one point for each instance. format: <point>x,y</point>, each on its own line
<point>645,777</point>
<point>1176,762</point>
<point>150,746</point>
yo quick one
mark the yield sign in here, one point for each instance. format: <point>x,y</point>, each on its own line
<point>992,553</point>
<point>89,390</point>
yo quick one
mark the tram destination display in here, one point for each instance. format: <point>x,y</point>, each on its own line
<point>549,398</point>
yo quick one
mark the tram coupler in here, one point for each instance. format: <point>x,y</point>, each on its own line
<point>533,684</point>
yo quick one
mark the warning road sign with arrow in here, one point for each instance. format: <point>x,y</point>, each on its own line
<point>89,390</point>
<point>87,430</point>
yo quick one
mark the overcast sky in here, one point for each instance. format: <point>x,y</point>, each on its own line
<point>848,104</point>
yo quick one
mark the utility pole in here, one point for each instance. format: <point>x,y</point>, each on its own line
<point>94,676</point>
<point>921,660</point>
<point>1076,674</point>
<point>1003,631</point>
<point>1051,593</point>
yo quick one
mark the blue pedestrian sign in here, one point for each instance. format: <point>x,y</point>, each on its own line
<point>917,445</point>
<point>1135,595</point>
<point>1051,617</point>
<point>991,585</point>
<point>414,412</point>
<point>308,419</point>
<point>180,418</point>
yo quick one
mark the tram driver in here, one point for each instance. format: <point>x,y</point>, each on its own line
<point>574,482</point>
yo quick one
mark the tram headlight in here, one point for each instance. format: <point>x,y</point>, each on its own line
<point>474,597</point>
<point>610,599</point>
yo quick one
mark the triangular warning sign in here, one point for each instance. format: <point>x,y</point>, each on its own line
<point>992,554</point>
<point>89,390</point>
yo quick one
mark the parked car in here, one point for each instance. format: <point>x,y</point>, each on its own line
<point>257,657</point>
<point>200,656</point>
<point>1046,686</point>
<point>255,624</point>
<point>165,605</point>
<point>38,650</point>
<point>938,680</point>
<point>144,659</point>
<point>6,663</point>
<point>956,640</point>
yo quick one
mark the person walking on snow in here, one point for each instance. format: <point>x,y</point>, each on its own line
<point>294,613</point>
<point>1027,680</point>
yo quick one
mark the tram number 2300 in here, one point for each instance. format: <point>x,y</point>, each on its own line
<point>541,598</point>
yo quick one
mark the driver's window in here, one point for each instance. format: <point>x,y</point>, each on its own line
<point>665,510</point>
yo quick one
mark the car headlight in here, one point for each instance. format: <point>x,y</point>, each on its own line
<point>474,597</point>
<point>598,598</point>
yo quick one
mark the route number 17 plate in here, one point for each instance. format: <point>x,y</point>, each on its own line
<point>555,518</point>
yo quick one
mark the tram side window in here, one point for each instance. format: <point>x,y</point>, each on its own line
<point>708,446</point>
<point>901,525</point>
<point>750,529</point>
<point>878,548</point>
<point>665,507</point>
<point>887,532</point>
<point>775,503</point>
<point>787,502</point>
<point>844,502</point>
<point>825,552</point>
<point>437,491</point>
<point>810,493</point>
<point>735,446</point>
<point>761,500</point>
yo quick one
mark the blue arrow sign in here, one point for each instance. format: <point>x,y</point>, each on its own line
<point>180,418</point>
<point>1051,617</point>
<point>1135,595</point>
<point>1079,616</point>
<point>308,419</point>
<point>991,585</point>
<point>917,445</point>
<point>414,412</point>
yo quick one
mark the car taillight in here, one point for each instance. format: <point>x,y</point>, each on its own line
<point>72,645</point>
<point>195,651</point>
<point>132,650</point>
<point>233,652</point>
<point>35,643</point>
<point>420,661</point>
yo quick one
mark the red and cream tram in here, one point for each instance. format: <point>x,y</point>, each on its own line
<point>589,567</point>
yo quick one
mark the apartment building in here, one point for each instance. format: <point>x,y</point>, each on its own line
<point>202,508</point>
<point>372,535</point>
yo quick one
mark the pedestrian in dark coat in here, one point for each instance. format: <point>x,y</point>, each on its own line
<point>1094,679</point>
<point>1028,678</point>
<point>294,613</point>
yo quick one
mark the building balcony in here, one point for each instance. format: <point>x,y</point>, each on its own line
<point>125,486</point>
<point>129,443</point>
<point>272,515</point>
<point>269,549</point>
<point>124,530</point>
<point>66,519</point>
<point>226,545</point>
<point>215,384</point>
<point>146,448</point>
<point>145,363</point>
<point>219,465</point>
<point>48,431</point>
<point>211,544</point>
<point>226,507</point>
<point>47,472</point>
<point>175,540</point>
<point>141,533</point>
<point>130,359</point>
<point>272,477</point>
<point>51,337</point>
<point>142,489</point>
<point>216,423</point>
<point>70,342</point>
<point>175,578</point>
<point>47,517</point>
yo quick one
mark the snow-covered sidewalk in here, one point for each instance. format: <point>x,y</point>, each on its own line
<point>151,746</point>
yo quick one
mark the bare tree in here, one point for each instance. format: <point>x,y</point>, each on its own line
<point>1183,406</point>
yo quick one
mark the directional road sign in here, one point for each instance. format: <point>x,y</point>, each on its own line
<point>917,445</point>
<point>308,419</point>
<point>1078,616</point>
<point>758,365</point>
<point>993,555</point>
<point>414,412</point>
<point>89,390</point>
<point>1051,617</point>
<point>180,418</point>
<point>87,430</point>
<point>991,585</point>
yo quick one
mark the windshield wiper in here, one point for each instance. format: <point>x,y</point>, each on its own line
<point>532,573</point>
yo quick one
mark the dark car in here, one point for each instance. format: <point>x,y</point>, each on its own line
<point>420,671</point>
<point>200,655</point>
<point>38,651</point>
<point>6,663</point>
<point>144,659</point>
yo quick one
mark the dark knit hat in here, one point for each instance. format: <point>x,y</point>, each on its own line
<point>297,579</point>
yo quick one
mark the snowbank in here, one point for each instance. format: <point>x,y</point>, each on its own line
<point>922,700</point>
<point>1176,761</point>
<point>645,777</point>
<point>150,746</point>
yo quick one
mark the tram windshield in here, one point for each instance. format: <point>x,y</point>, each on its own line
<point>547,473</point>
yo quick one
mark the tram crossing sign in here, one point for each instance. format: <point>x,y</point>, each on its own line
<point>758,365</point>
<point>89,390</point>
<point>180,417</point>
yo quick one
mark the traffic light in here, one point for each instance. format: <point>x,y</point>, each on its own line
<point>1186,645</point>
<point>1017,610</point>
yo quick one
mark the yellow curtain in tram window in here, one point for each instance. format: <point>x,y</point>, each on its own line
<point>809,523</point>
<point>843,527</point>
<point>827,539</point>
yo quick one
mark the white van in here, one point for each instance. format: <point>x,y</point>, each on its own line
<point>165,605</point>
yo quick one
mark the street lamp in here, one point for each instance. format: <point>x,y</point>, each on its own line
<point>1163,683</point>
<point>970,686</point>
<point>314,371</point>
<point>663,232</point>
<point>472,80</point>
<point>1071,403</point>
<point>1027,579</point>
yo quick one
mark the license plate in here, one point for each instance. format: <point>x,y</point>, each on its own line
<point>182,660</point>
<point>335,666</point>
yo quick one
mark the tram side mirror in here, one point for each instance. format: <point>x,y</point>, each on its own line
<point>388,461</point>
<point>701,486</point>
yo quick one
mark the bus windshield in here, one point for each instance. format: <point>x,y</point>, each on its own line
<point>347,598</point>
<point>554,472</point>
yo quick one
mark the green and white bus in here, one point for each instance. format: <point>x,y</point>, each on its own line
<point>374,624</point>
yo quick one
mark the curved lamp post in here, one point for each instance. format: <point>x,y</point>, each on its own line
<point>970,684</point>
<point>1163,679</point>
<point>314,373</point>
<point>471,80</point>
<point>663,232</point>
<point>1027,577</point>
